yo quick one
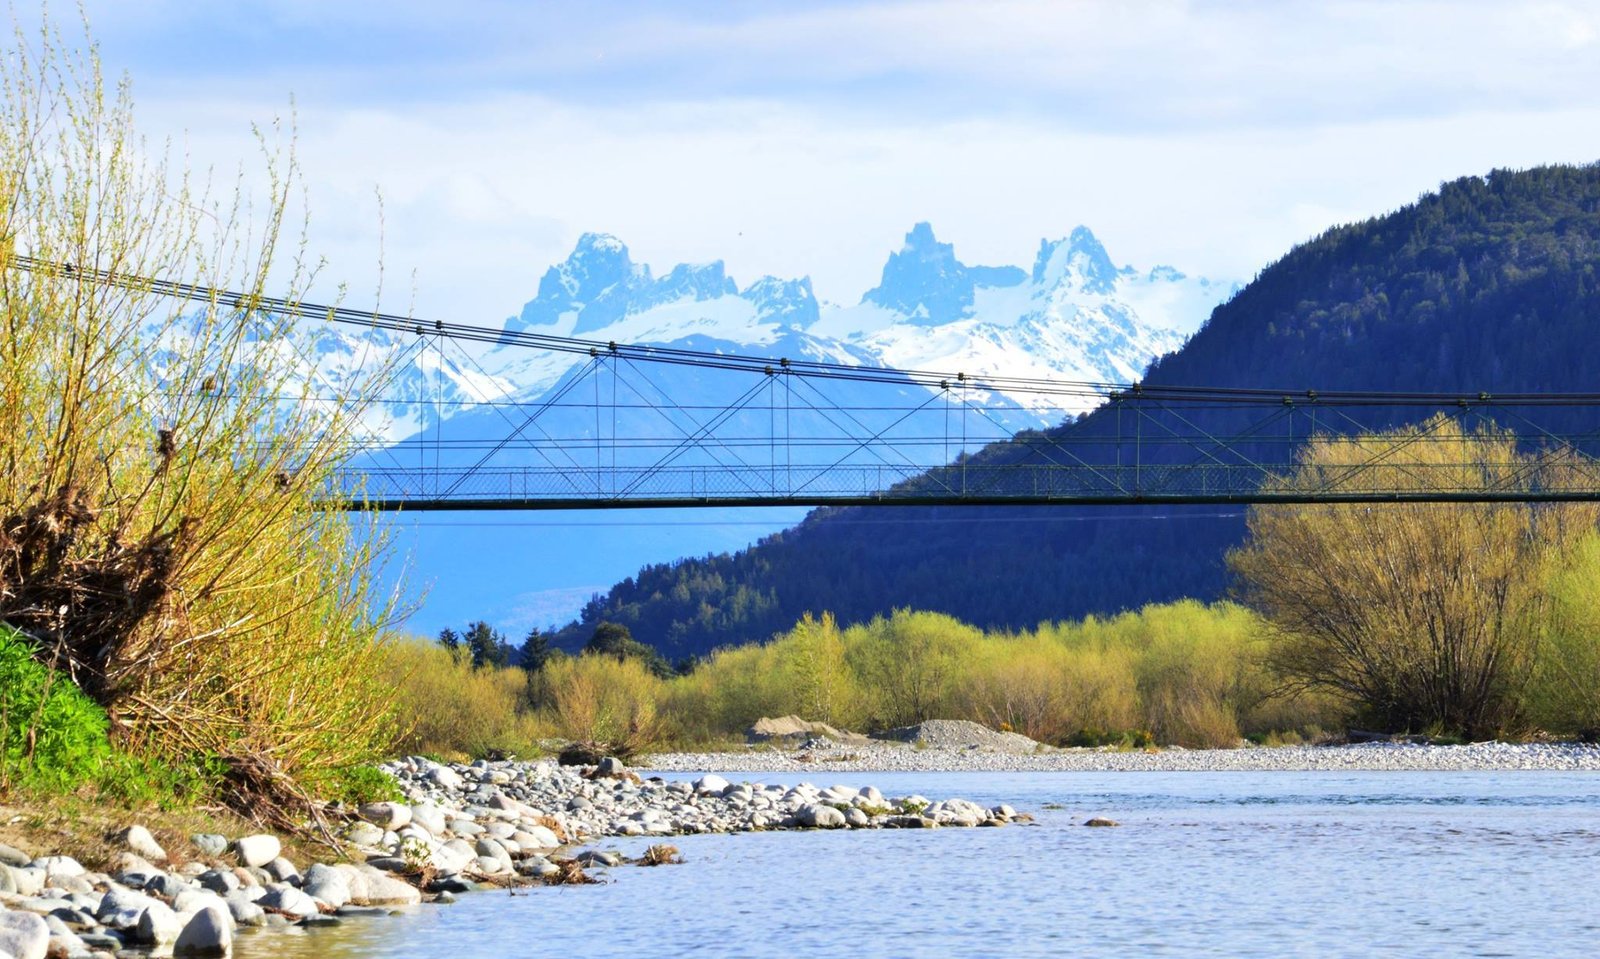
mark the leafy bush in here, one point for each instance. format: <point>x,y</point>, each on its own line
<point>1183,673</point>
<point>447,708</point>
<point>52,736</point>
<point>139,781</point>
<point>603,700</point>
<point>362,784</point>
<point>158,523</point>
<point>1564,692</point>
<point>1422,615</point>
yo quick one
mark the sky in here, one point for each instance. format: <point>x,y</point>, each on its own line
<point>806,138</point>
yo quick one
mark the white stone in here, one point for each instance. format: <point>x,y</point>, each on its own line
<point>387,816</point>
<point>819,816</point>
<point>429,817</point>
<point>190,901</point>
<point>710,783</point>
<point>327,884</point>
<point>29,880</point>
<point>23,935</point>
<point>453,856</point>
<point>287,899</point>
<point>445,778</point>
<point>282,870</point>
<point>59,866</point>
<point>121,908</point>
<point>139,840</point>
<point>355,881</point>
<point>364,834</point>
<point>208,933</point>
<point>245,912</point>
<point>257,850</point>
<point>385,890</point>
<point>542,837</point>
<point>158,925</point>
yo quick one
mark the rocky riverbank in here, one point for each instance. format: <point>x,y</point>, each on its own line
<point>461,827</point>
<point>821,755</point>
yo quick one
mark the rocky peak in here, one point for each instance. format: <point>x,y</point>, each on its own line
<point>924,281</point>
<point>784,302</point>
<point>703,281</point>
<point>1079,259</point>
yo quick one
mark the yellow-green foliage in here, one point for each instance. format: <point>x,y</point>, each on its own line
<point>1424,615</point>
<point>602,699</point>
<point>909,664</point>
<point>159,460</point>
<point>1564,693</point>
<point>1192,674</point>
<point>1199,672</point>
<point>448,708</point>
<point>730,690</point>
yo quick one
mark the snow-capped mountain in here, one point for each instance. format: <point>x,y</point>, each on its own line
<point>1074,316</point>
<point>431,377</point>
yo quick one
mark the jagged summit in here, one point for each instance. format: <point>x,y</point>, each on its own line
<point>924,281</point>
<point>599,284</point>
<point>1077,315</point>
<point>1080,259</point>
<point>789,303</point>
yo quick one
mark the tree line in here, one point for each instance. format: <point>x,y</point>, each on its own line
<point>1488,284</point>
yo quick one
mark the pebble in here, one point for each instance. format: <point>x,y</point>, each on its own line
<point>23,935</point>
<point>823,756</point>
<point>257,850</point>
<point>458,824</point>
<point>139,841</point>
<point>208,933</point>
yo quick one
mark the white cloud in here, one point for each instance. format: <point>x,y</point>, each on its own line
<point>482,195</point>
<point>806,138</point>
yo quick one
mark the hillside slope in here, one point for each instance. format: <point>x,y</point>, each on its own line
<point>1489,284</point>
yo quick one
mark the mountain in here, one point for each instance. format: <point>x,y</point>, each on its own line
<point>925,283</point>
<point>1074,315</point>
<point>1488,285</point>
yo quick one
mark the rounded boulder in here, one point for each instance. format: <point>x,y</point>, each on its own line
<point>257,850</point>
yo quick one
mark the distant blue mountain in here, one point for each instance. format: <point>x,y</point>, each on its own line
<point>925,281</point>
<point>599,285</point>
<point>1076,315</point>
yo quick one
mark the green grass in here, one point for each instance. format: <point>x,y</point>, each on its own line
<point>52,736</point>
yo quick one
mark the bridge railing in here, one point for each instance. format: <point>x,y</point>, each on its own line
<point>552,488</point>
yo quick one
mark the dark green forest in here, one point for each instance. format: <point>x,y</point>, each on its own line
<point>1487,285</point>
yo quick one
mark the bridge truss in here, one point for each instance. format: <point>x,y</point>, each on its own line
<point>640,426</point>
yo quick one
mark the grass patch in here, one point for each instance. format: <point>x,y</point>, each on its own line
<point>52,736</point>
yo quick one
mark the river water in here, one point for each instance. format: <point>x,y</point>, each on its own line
<point>1204,864</point>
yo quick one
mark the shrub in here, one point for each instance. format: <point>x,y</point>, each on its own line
<point>54,736</point>
<point>599,699</point>
<point>1418,613</point>
<point>158,525</point>
<point>1564,692</point>
<point>445,707</point>
<point>910,662</point>
<point>363,784</point>
<point>137,781</point>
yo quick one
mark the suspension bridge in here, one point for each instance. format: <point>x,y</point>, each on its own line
<point>645,426</point>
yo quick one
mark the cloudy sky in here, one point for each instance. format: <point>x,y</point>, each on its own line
<point>806,138</point>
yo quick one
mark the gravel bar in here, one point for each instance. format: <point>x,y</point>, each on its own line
<point>826,756</point>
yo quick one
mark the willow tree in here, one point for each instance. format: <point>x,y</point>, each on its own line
<point>1422,615</point>
<point>159,461</point>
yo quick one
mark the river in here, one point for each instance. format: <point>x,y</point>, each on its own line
<point>1203,864</point>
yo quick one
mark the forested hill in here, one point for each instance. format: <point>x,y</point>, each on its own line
<point>1489,284</point>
